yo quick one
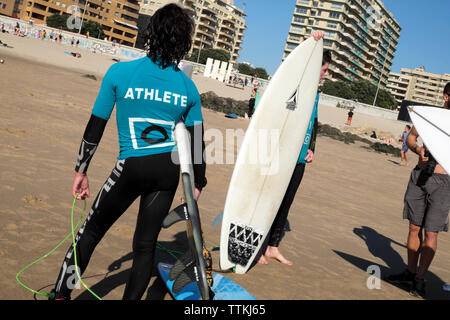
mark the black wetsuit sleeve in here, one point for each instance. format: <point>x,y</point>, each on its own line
<point>91,138</point>
<point>198,155</point>
<point>312,144</point>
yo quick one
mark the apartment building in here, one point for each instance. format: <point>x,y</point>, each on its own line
<point>118,17</point>
<point>418,85</point>
<point>361,34</point>
<point>10,8</point>
<point>219,24</point>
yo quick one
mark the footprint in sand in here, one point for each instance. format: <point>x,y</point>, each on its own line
<point>36,202</point>
<point>14,132</point>
<point>126,232</point>
<point>12,147</point>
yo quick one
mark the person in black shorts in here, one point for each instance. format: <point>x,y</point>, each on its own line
<point>426,206</point>
<point>151,95</point>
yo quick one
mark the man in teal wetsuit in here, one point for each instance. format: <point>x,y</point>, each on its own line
<point>306,156</point>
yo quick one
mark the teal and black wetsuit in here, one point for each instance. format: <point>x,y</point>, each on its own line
<point>276,232</point>
<point>149,102</point>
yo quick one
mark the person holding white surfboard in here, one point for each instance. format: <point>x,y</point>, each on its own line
<point>427,205</point>
<point>306,156</point>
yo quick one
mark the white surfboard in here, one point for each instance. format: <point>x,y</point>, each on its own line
<point>268,156</point>
<point>433,126</point>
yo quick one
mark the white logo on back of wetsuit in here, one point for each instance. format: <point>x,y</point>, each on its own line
<point>138,125</point>
<point>155,95</point>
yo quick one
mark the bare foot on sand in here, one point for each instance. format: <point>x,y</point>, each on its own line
<point>262,260</point>
<point>274,253</point>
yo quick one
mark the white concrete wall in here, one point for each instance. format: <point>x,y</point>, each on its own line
<point>332,101</point>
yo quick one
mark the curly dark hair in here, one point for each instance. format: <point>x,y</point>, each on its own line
<point>169,35</point>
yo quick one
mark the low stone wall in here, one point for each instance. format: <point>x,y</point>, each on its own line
<point>332,101</point>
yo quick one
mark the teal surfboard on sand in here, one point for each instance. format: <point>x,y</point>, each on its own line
<point>223,288</point>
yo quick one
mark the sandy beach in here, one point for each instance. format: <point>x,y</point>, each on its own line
<point>347,214</point>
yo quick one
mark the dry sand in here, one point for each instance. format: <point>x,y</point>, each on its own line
<point>345,217</point>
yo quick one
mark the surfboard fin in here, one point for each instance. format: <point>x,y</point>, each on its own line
<point>184,278</point>
<point>185,261</point>
<point>176,215</point>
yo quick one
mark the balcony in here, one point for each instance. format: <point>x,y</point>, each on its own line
<point>208,24</point>
<point>352,27</point>
<point>209,11</point>
<point>97,2</point>
<point>225,41</point>
<point>208,17</point>
<point>359,46</point>
<point>357,64</point>
<point>348,36</point>
<point>225,26</point>
<point>353,71</point>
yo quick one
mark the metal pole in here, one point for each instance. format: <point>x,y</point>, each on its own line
<point>199,50</point>
<point>382,69</point>
<point>82,17</point>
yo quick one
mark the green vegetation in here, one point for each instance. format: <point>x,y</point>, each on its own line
<point>347,137</point>
<point>248,70</point>
<point>363,90</point>
<point>216,54</point>
<point>228,105</point>
<point>95,29</point>
<point>58,21</point>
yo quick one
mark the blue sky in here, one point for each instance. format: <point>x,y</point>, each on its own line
<point>424,40</point>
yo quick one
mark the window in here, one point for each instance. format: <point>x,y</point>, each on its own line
<point>332,25</point>
<point>336,6</point>
<point>296,29</point>
<point>335,15</point>
<point>328,43</point>
<point>294,38</point>
<point>299,19</point>
<point>302,10</point>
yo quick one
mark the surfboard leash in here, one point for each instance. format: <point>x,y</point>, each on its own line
<point>172,253</point>
<point>72,233</point>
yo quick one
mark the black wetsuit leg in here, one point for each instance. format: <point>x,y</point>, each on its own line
<point>251,106</point>
<point>276,231</point>
<point>154,178</point>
